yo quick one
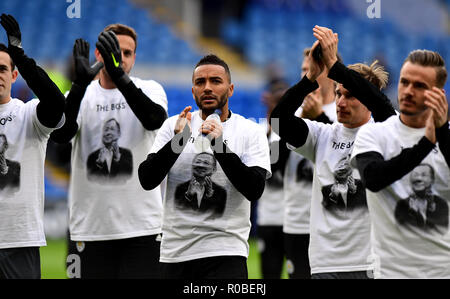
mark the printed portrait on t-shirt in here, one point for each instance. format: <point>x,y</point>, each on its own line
<point>200,193</point>
<point>276,180</point>
<point>110,163</point>
<point>346,193</point>
<point>9,170</point>
<point>422,208</point>
<point>305,170</point>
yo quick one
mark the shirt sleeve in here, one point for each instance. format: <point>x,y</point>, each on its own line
<point>42,131</point>
<point>257,153</point>
<point>164,135</point>
<point>366,141</point>
<point>308,150</point>
<point>156,93</point>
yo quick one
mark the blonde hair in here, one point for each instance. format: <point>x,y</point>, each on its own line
<point>306,52</point>
<point>375,73</point>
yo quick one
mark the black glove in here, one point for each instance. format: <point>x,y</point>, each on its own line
<point>12,30</point>
<point>109,48</point>
<point>14,38</point>
<point>84,73</point>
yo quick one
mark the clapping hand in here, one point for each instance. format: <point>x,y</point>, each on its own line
<point>329,42</point>
<point>12,30</point>
<point>84,73</point>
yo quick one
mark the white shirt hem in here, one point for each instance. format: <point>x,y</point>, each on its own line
<point>76,237</point>
<point>180,259</point>
<point>23,244</point>
<point>298,231</point>
<point>318,270</point>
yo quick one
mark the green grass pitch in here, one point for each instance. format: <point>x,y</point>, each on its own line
<point>53,260</point>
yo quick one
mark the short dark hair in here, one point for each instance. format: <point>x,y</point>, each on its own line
<point>432,59</point>
<point>121,29</point>
<point>4,48</point>
<point>213,59</point>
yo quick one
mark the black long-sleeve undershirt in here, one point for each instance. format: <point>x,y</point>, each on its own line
<point>283,155</point>
<point>295,131</point>
<point>50,108</point>
<point>249,181</point>
<point>443,138</point>
<point>72,106</point>
<point>291,128</point>
<point>154,169</point>
<point>377,173</point>
<point>323,118</point>
<point>150,114</point>
<point>284,151</point>
<point>367,93</point>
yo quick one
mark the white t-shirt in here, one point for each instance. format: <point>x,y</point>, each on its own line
<point>298,185</point>
<point>411,236</point>
<point>270,205</point>
<point>22,174</point>
<point>194,226</point>
<point>106,200</point>
<point>339,220</point>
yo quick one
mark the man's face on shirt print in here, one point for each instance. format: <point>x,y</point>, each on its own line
<point>421,178</point>
<point>111,132</point>
<point>203,165</point>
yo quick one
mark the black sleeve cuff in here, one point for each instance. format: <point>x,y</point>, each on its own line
<point>335,70</point>
<point>323,118</point>
<point>425,145</point>
<point>442,132</point>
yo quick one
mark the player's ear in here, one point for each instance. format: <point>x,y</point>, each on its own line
<point>230,90</point>
<point>15,74</point>
<point>98,56</point>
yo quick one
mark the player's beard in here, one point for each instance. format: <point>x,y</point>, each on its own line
<point>222,100</point>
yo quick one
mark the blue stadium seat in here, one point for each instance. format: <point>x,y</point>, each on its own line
<point>272,30</point>
<point>46,23</point>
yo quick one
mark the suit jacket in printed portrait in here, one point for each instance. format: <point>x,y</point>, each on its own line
<point>11,179</point>
<point>118,170</point>
<point>110,163</point>
<point>200,193</point>
<point>9,170</point>
<point>214,201</point>
<point>433,216</point>
<point>423,208</point>
<point>346,193</point>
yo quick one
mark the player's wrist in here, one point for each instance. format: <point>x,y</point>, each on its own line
<point>121,79</point>
<point>312,76</point>
<point>17,54</point>
<point>330,62</point>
